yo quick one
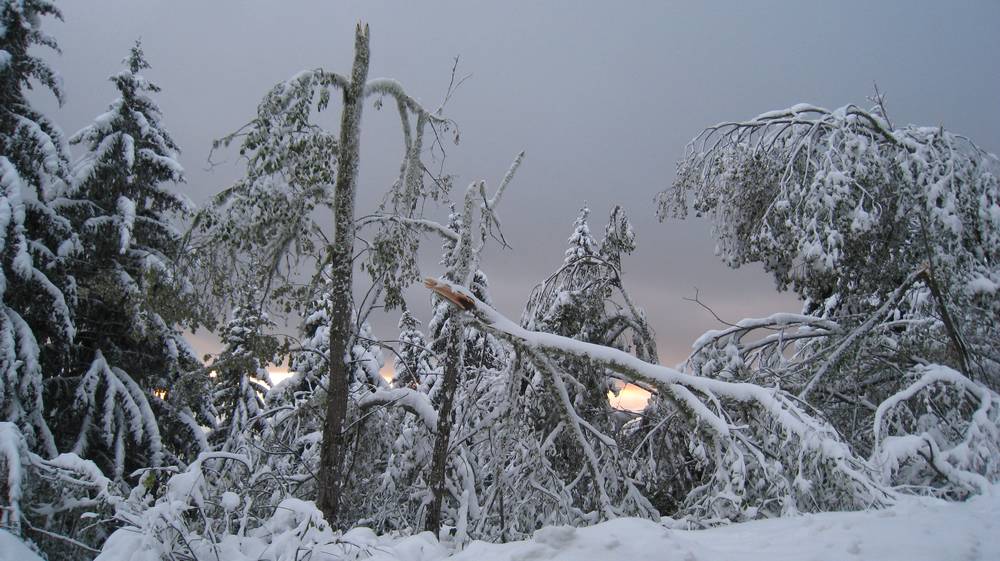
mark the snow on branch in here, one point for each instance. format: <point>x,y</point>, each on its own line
<point>13,455</point>
<point>124,413</point>
<point>394,89</point>
<point>411,400</point>
<point>940,432</point>
<point>752,427</point>
<point>416,223</point>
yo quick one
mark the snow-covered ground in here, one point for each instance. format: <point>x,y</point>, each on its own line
<point>916,529</point>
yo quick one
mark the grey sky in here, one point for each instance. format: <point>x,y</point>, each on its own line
<point>602,96</point>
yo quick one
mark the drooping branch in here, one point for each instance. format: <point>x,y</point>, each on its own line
<point>411,400</point>
<point>890,302</point>
<point>700,397</point>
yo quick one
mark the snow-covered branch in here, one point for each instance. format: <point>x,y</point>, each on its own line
<point>807,443</point>
<point>413,401</point>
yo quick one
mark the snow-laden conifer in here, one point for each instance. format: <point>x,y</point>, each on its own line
<point>581,242</point>
<point>130,296</point>
<point>36,296</point>
<point>414,360</point>
<point>564,400</point>
<point>241,377</point>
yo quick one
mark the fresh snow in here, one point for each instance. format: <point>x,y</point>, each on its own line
<point>915,529</point>
<point>13,549</point>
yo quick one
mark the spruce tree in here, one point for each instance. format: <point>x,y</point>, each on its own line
<point>414,363</point>
<point>586,301</point>
<point>241,372</point>
<point>131,298</point>
<point>36,295</point>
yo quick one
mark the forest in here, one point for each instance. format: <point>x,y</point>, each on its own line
<point>118,441</point>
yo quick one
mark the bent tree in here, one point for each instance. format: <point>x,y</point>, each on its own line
<point>891,236</point>
<point>464,239</point>
<point>266,227</point>
<point>862,220</point>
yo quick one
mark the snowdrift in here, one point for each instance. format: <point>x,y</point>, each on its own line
<point>915,529</point>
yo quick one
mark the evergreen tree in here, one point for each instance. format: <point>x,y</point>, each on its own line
<point>130,296</point>
<point>241,372</point>
<point>586,301</point>
<point>581,243</point>
<point>415,359</point>
<point>311,364</point>
<point>36,295</point>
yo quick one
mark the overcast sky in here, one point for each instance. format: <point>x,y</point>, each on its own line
<point>603,98</point>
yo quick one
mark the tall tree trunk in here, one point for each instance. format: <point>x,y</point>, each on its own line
<point>439,460</point>
<point>452,370</point>
<point>330,474</point>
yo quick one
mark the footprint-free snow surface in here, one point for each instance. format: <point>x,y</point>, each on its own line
<point>916,529</point>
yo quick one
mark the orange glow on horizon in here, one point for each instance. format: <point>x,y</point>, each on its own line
<point>279,373</point>
<point>629,398</point>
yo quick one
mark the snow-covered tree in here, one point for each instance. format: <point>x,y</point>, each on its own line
<point>130,297</point>
<point>584,300</point>
<point>759,451</point>
<point>292,437</point>
<point>414,362</point>
<point>852,213</point>
<point>581,242</point>
<point>290,172</point>
<point>464,237</point>
<point>889,234</point>
<point>36,296</point>
<point>241,377</point>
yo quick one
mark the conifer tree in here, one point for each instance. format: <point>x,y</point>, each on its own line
<point>414,361</point>
<point>36,295</point>
<point>312,363</point>
<point>241,373</point>
<point>586,301</point>
<point>130,296</point>
<point>581,243</point>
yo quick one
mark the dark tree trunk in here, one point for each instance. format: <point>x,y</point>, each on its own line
<point>330,474</point>
<point>452,373</point>
<point>439,461</point>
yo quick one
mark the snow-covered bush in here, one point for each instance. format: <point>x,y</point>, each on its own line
<point>65,505</point>
<point>196,512</point>
<point>227,506</point>
<point>940,434</point>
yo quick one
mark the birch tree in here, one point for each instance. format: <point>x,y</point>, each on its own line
<point>890,236</point>
<point>293,167</point>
